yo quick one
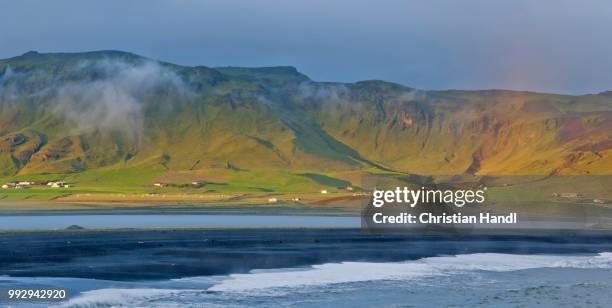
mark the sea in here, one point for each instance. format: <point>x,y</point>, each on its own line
<point>306,266</point>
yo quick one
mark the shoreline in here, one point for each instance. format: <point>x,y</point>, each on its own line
<point>535,232</point>
<point>209,210</point>
<point>342,205</point>
<point>189,211</point>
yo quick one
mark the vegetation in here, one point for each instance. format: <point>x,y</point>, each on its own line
<point>115,122</point>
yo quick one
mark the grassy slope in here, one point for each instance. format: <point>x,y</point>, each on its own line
<point>273,130</point>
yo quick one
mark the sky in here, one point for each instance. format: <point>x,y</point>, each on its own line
<point>539,45</point>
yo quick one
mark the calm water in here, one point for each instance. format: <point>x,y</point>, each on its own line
<point>16,222</point>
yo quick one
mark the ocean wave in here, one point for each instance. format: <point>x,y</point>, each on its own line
<point>266,281</point>
<point>347,272</point>
<point>114,297</point>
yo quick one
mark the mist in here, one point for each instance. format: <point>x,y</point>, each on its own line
<point>116,100</point>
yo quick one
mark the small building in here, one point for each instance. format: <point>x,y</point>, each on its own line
<point>197,184</point>
<point>58,184</point>
<point>599,201</point>
<point>159,184</point>
<point>9,185</point>
<point>324,191</point>
<point>272,200</point>
<point>295,199</point>
<point>349,188</point>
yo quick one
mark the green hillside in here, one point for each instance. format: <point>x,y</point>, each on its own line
<point>111,119</point>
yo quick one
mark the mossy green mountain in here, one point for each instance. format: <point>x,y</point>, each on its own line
<point>112,118</point>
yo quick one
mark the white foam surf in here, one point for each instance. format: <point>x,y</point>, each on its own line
<point>113,297</point>
<point>346,272</point>
<point>258,281</point>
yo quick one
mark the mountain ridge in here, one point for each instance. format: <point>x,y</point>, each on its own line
<point>87,114</point>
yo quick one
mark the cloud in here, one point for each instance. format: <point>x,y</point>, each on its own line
<point>115,99</point>
<point>324,92</point>
<point>6,74</point>
<point>8,89</point>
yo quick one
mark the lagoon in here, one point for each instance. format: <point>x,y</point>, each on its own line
<point>102,221</point>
